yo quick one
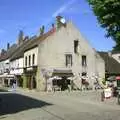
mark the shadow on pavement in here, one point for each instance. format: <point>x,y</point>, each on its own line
<point>12,103</point>
<point>3,90</point>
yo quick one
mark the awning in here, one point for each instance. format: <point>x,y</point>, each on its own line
<point>111,78</point>
<point>62,72</point>
<point>55,77</point>
<point>118,78</point>
<point>7,76</point>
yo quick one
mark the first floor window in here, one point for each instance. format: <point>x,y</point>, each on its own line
<point>84,61</point>
<point>75,46</point>
<point>68,60</point>
<point>26,61</point>
<point>29,60</point>
<point>33,59</point>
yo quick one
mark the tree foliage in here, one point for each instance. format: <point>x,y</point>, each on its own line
<point>108,15</point>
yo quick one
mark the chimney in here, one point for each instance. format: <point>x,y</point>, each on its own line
<point>53,26</point>
<point>58,18</point>
<point>42,30</point>
<point>60,21</point>
<point>3,52</point>
<point>8,46</point>
<point>26,38</point>
<point>20,37</point>
<point>0,52</point>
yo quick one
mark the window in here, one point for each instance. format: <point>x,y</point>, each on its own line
<point>33,59</point>
<point>75,46</point>
<point>26,61</point>
<point>119,57</point>
<point>84,73</point>
<point>29,60</point>
<point>68,60</point>
<point>84,62</point>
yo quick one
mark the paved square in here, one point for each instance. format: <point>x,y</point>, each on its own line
<point>57,106</point>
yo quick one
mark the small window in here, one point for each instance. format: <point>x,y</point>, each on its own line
<point>26,61</point>
<point>119,57</point>
<point>75,46</point>
<point>84,73</point>
<point>68,60</point>
<point>84,61</point>
<point>29,60</point>
<point>33,59</point>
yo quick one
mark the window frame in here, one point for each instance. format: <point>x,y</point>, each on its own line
<point>84,61</point>
<point>33,59</point>
<point>29,60</point>
<point>76,44</point>
<point>68,60</point>
<point>25,61</point>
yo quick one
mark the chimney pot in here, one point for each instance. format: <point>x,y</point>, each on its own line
<point>8,46</point>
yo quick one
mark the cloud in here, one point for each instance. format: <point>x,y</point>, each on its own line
<point>63,8</point>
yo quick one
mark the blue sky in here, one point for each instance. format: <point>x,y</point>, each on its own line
<point>29,15</point>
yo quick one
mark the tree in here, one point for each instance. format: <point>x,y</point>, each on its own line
<point>108,15</point>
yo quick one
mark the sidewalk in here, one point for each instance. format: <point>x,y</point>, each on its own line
<point>93,96</point>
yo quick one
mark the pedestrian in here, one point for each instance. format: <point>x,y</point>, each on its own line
<point>69,87</point>
<point>14,84</point>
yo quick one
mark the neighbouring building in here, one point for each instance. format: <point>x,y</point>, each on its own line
<point>112,65</point>
<point>115,55</point>
<point>5,64</point>
<point>17,60</point>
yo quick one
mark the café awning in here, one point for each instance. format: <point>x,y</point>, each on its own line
<point>7,76</point>
<point>118,78</point>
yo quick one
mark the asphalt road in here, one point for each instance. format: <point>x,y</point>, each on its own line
<point>57,106</point>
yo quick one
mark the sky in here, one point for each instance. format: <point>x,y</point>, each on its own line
<point>30,15</point>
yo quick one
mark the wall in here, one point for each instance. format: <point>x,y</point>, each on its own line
<point>116,56</point>
<point>53,49</point>
<point>16,66</point>
<point>31,52</point>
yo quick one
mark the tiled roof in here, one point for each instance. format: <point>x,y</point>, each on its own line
<point>115,52</point>
<point>29,44</point>
<point>111,65</point>
<point>35,42</point>
<point>19,51</point>
<point>15,52</point>
<point>9,52</point>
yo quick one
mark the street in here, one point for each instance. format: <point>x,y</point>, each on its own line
<point>76,105</point>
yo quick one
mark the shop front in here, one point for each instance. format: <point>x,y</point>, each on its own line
<point>29,79</point>
<point>59,79</point>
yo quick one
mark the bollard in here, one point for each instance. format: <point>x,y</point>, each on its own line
<point>118,98</point>
<point>102,96</point>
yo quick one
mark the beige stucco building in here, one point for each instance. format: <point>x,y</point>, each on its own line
<point>59,57</point>
<point>66,51</point>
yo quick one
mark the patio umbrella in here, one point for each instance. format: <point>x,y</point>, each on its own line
<point>118,78</point>
<point>111,78</point>
<point>55,77</point>
<point>84,77</point>
<point>70,78</point>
